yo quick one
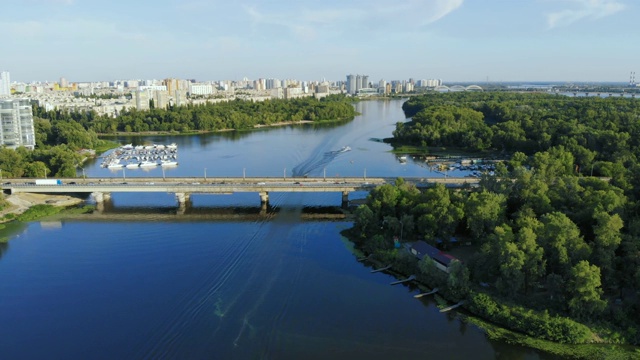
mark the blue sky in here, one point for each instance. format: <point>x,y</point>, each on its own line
<point>455,40</point>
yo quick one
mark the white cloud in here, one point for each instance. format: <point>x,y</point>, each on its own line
<point>426,12</point>
<point>590,9</point>
<point>307,22</point>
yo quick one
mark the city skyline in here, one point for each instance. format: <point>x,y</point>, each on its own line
<point>454,40</point>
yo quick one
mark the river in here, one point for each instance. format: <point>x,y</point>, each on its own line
<point>272,287</point>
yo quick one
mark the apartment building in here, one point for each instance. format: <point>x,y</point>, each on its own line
<point>16,124</point>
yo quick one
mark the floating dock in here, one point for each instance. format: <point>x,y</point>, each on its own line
<point>382,269</point>
<point>427,293</point>
<point>410,278</point>
<point>449,308</point>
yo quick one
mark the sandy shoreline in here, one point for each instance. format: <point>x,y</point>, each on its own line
<point>19,203</point>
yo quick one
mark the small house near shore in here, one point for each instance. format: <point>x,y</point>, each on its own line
<point>442,260</point>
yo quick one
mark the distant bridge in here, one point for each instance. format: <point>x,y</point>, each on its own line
<point>459,88</point>
<point>101,188</point>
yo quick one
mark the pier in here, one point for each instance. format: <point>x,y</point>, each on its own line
<point>417,296</point>
<point>381,269</point>
<point>449,308</point>
<point>410,278</point>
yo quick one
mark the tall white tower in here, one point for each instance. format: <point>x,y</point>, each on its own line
<point>5,83</point>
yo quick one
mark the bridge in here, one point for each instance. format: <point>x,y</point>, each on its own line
<point>455,88</point>
<point>183,187</point>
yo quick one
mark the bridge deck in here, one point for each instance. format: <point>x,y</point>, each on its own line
<point>215,185</point>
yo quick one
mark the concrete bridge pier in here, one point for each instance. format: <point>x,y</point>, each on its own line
<point>101,198</point>
<point>264,197</point>
<point>183,202</point>
<point>345,199</point>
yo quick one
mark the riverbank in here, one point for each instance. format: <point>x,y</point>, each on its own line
<point>404,265</point>
<point>203,132</point>
<point>19,203</point>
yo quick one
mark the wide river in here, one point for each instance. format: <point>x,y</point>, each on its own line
<point>145,285</point>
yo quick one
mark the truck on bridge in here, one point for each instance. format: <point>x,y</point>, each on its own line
<point>48,182</point>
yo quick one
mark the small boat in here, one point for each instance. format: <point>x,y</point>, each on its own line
<point>132,165</point>
<point>166,163</point>
<point>172,146</point>
<point>114,164</point>
<point>345,149</point>
<point>403,159</point>
<point>148,164</point>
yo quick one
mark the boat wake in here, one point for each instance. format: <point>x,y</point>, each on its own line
<point>314,165</point>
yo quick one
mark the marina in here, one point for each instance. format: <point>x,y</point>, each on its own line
<point>142,156</point>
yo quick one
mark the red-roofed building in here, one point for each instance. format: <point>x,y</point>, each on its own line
<point>442,260</point>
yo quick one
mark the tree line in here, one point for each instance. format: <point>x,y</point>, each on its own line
<point>227,115</point>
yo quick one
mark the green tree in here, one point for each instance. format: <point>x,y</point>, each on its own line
<point>436,214</point>
<point>365,220</point>
<point>534,262</point>
<point>458,280</point>
<point>36,169</point>
<point>563,245</point>
<point>585,292</point>
<point>484,211</point>
<point>607,239</point>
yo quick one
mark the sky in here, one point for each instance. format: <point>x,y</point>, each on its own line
<point>453,40</point>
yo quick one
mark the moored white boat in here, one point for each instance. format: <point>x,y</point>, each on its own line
<point>165,163</point>
<point>114,164</point>
<point>148,164</point>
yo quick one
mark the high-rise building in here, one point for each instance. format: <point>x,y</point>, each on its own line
<point>351,85</point>
<point>142,99</point>
<point>382,86</point>
<point>273,84</point>
<point>16,124</point>
<point>5,83</point>
<point>171,84</point>
<point>160,99</point>
<point>364,81</point>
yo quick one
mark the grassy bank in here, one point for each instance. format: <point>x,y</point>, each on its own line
<point>43,210</point>
<point>443,152</point>
<point>582,351</point>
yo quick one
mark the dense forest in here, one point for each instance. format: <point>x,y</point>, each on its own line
<point>601,133</point>
<point>550,251</point>
<point>231,115</point>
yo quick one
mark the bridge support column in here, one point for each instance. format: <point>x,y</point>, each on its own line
<point>100,199</point>
<point>183,202</point>
<point>345,199</point>
<point>183,199</point>
<point>264,197</point>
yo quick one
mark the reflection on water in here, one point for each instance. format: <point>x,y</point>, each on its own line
<point>272,285</point>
